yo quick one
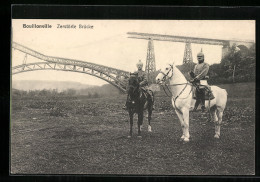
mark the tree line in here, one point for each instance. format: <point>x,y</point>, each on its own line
<point>51,92</point>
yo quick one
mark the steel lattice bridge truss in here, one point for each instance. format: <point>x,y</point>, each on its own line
<point>116,77</point>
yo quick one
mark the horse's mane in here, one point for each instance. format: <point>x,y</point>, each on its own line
<point>178,74</point>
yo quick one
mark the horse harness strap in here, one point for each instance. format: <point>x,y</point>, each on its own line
<point>180,92</point>
<point>175,85</point>
<point>166,92</point>
<point>174,99</point>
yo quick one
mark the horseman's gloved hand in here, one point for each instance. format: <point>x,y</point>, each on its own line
<point>196,79</point>
<point>192,74</point>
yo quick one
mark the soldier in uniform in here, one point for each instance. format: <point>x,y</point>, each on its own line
<point>142,78</point>
<point>200,73</point>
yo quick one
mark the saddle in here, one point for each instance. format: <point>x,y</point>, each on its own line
<point>208,93</point>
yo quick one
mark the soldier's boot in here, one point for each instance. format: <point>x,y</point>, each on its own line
<point>197,103</point>
<point>203,108</point>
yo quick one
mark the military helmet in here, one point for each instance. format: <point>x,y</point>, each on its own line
<point>200,56</point>
<point>139,64</point>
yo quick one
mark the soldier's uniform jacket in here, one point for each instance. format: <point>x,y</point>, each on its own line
<point>142,78</point>
<point>201,70</point>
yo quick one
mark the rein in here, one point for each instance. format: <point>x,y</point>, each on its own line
<point>167,86</point>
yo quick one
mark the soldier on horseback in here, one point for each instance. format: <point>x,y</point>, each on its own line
<point>199,79</point>
<point>142,76</point>
<point>143,83</point>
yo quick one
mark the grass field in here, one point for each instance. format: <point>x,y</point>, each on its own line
<point>78,135</point>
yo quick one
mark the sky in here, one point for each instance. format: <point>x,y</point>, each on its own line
<point>107,43</point>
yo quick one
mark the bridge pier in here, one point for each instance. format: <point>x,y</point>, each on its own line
<point>187,58</point>
<point>150,66</point>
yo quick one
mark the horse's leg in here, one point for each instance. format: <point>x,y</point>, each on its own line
<point>140,122</point>
<point>215,118</point>
<point>186,117</point>
<point>218,122</point>
<point>180,116</point>
<point>131,115</point>
<point>150,110</point>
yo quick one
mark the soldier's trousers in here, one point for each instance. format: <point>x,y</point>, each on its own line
<point>200,95</point>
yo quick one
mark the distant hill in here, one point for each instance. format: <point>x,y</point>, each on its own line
<point>81,89</point>
<point>27,85</point>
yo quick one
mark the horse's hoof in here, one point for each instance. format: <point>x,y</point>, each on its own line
<point>139,136</point>
<point>182,138</point>
<point>129,136</point>
<point>149,128</point>
<point>186,140</point>
<point>216,136</point>
<point>141,127</point>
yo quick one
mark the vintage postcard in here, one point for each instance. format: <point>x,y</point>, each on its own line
<point>132,97</point>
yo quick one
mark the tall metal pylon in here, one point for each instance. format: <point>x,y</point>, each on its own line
<point>187,58</point>
<point>150,60</point>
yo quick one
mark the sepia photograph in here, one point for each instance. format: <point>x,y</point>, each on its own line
<point>132,97</point>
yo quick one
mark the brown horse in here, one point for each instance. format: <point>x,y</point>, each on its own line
<point>138,101</point>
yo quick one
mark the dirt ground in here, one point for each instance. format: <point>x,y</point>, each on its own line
<point>78,135</point>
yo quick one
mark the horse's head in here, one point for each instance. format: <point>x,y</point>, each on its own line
<point>133,84</point>
<point>165,74</point>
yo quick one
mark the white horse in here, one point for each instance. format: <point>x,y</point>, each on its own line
<point>182,100</point>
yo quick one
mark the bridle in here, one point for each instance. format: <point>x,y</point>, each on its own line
<point>165,75</point>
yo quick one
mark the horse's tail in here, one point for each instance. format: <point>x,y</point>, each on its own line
<point>225,91</point>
